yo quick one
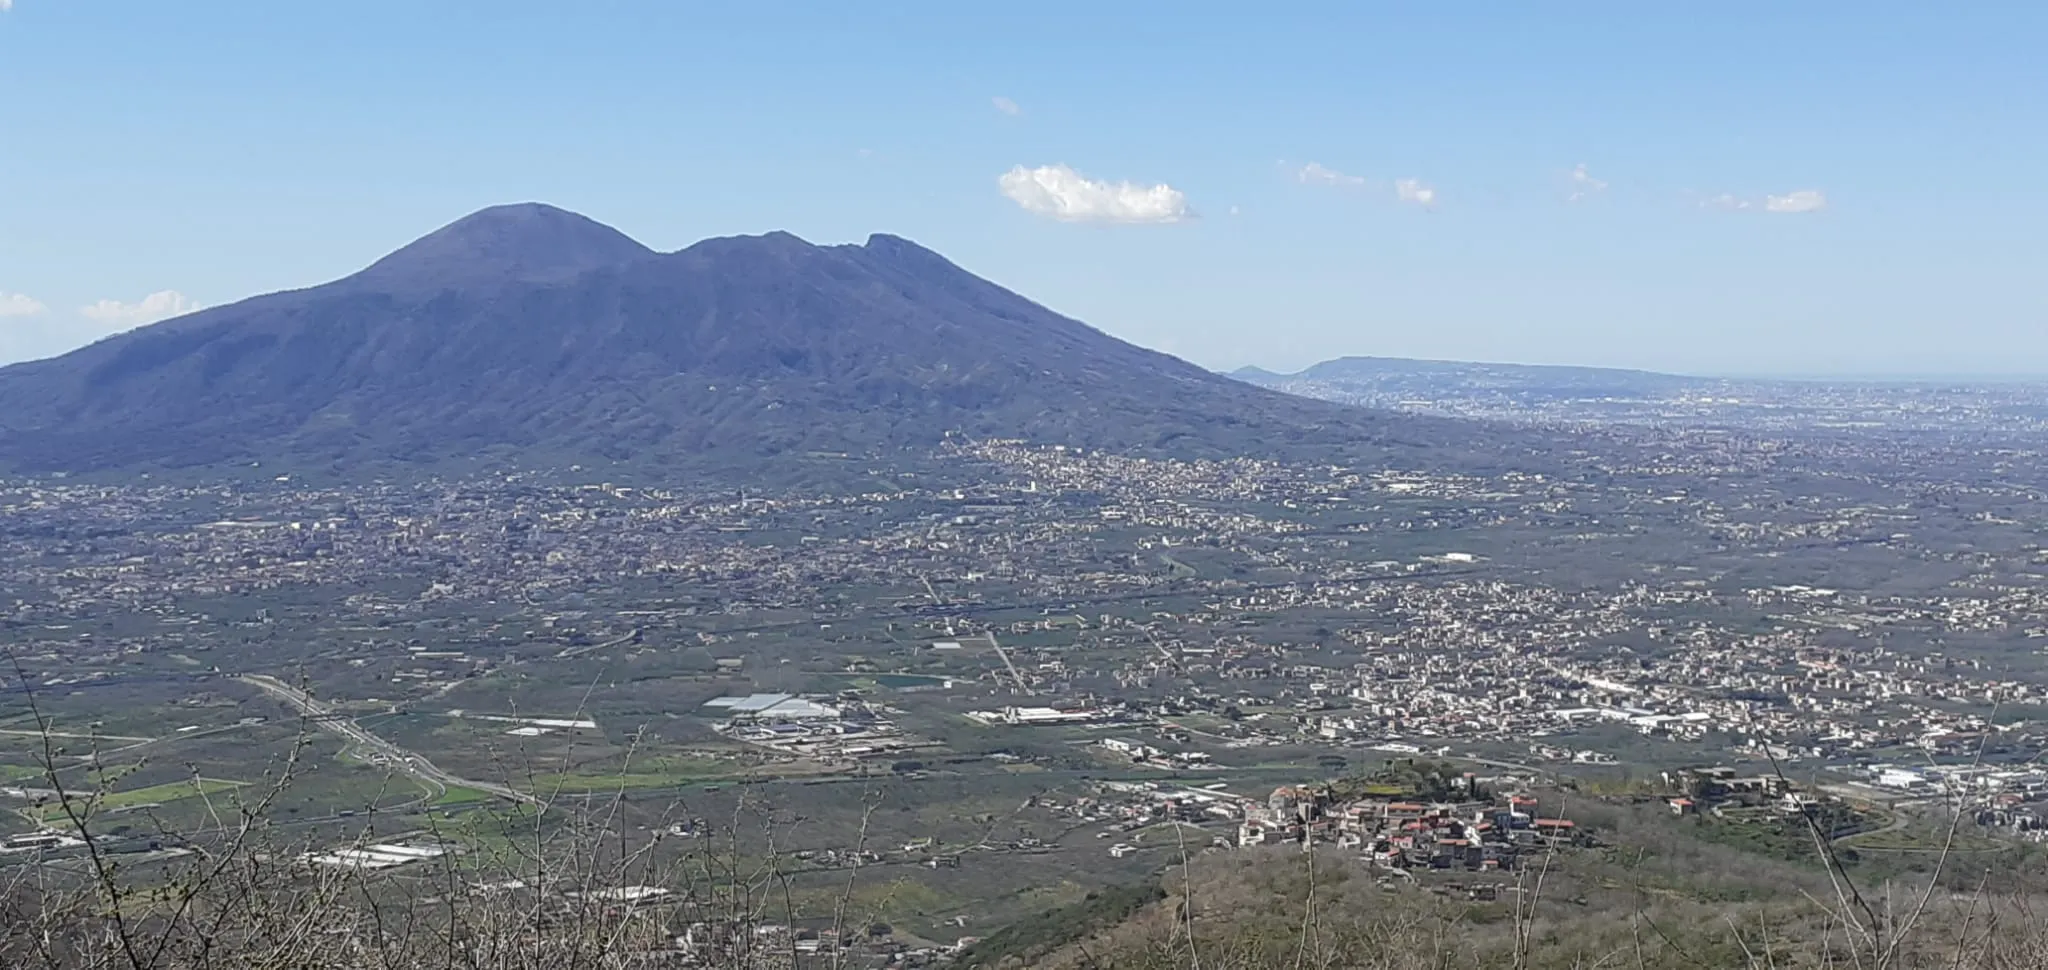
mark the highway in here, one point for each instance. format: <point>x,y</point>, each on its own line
<point>412,764</point>
<point>580,651</point>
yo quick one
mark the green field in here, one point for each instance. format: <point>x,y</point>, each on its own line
<point>458,795</point>
<point>137,797</point>
<point>659,773</point>
<point>19,772</point>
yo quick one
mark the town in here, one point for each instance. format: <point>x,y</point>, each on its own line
<point>1043,654</point>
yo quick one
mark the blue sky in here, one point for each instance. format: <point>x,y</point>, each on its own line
<point>1840,187</point>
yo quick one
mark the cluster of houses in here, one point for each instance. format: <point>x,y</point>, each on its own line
<point>1479,834</point>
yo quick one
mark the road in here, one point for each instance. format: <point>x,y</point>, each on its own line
<point>412,764</point>
<point>580,651</point>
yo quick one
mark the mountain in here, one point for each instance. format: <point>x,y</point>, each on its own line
<point>1395,372</point>
<point>526,335</point>
<point>530,243</point>
<point>1507,391</point>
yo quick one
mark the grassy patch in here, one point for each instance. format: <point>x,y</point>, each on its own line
<point>623,781</point>
<point>668,771</point>
<point>138,797</point>
<point>662,773</point>
<point>1907,840</point>
<point>1036,936</point>
<point>459,795</point>
<point>1767,832</point>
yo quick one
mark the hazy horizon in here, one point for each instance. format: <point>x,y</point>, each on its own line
<point>2016,376</point>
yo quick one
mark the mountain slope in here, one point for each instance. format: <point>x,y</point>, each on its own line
<point>531,334</point>
<point>528,242</point>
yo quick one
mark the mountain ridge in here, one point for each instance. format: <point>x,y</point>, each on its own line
<point>528,334</point>
<point>1369,380</point>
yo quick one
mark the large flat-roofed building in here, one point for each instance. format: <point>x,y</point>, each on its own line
<point>787,706</point>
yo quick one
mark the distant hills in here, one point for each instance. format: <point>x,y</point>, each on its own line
<point>1617,405</point>
<point>1526,395</point>
<point>1347,378</point>
<point>524,336</point>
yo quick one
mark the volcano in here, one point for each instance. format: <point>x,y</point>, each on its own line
<point>533,336</point>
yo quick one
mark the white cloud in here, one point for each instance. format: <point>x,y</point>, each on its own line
<point>1061,193</point>
<point>1316,174</point>
<point>1006,106</point>
<point>18,304</point>
<point>1413,190</point>
<point>1791,203</point>
<point>161,305</point>
<point>1803,200</point>
<point>1584,184</point>
<point>6,5</point>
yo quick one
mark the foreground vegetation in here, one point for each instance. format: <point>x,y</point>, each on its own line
<point>560,886</point>
<point>1681,904</point>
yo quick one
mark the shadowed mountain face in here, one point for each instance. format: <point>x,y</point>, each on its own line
<point>536,335</point>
